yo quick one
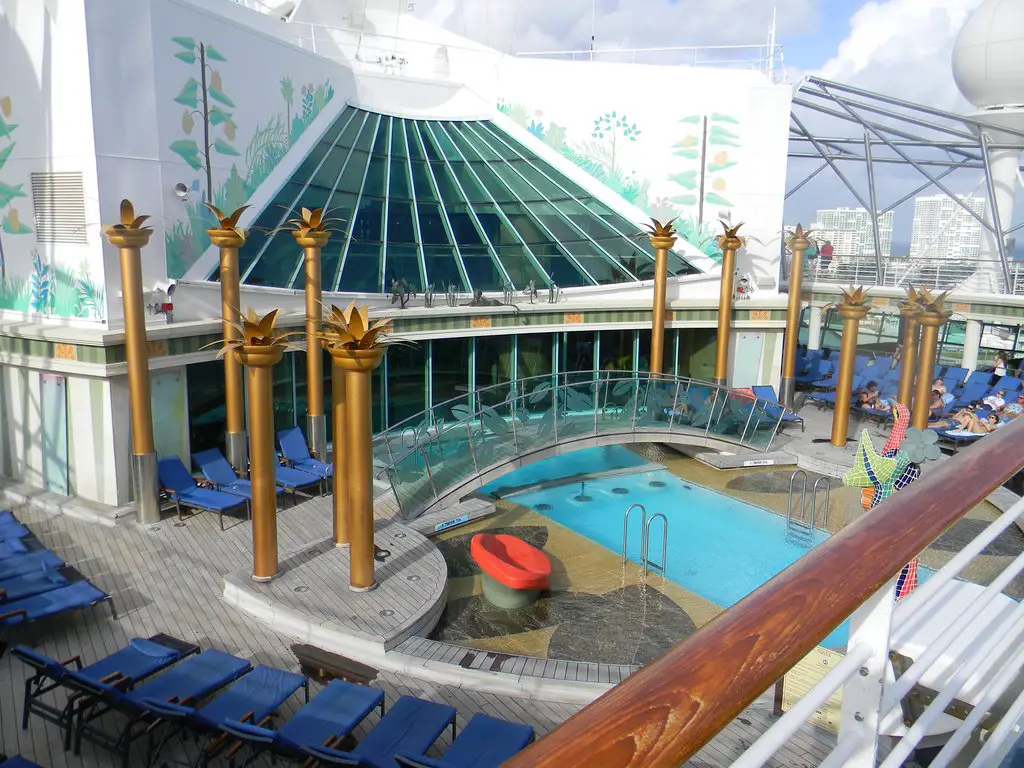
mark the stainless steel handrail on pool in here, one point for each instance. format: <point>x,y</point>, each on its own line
<point>646,554</point>
<point>458,445</point>
<point>625,529</point>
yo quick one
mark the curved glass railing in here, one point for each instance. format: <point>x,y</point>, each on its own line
<point>441,449</point>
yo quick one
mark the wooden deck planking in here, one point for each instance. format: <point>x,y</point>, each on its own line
<point>170,580</point>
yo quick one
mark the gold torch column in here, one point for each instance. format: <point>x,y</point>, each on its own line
<point>798,245</point>
<point>259,350</point>
<point>339,436</point>
<point>853,309</point>
<point>931,319</point>
<point>662,237</point>
<point>129,237</point>
<point>228,237</point>
<point>910,311</point>
<point>729,242</point>
<point>312,237</point>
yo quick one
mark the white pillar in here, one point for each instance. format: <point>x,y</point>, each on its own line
<point>1004,164</point>
<point>814,327</point>
<point>972,343</point>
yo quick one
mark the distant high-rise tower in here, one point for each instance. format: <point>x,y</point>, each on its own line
<point>944,230</point>
<point>849,232</point>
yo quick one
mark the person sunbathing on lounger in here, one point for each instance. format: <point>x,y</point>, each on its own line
<point>1011,411</point>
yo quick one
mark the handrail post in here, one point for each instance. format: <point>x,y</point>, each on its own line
<point>870,625</point>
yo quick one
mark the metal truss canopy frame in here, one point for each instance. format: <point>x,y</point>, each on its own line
<point>932,141</point>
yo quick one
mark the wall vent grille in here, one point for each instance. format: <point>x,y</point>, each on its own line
<point>59,202</point>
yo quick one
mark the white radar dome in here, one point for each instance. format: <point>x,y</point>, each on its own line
<point>988,58</point>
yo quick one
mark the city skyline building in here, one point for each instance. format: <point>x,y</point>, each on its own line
<point>849,231</point>
<point>943,229</point>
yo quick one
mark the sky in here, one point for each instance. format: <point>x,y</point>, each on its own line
<point>898,47</point>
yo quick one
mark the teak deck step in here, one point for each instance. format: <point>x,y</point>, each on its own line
<point>324,666</point>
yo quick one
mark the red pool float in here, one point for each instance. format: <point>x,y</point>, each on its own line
<point>511,562</point>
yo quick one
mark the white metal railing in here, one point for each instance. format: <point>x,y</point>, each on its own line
<point>764,58</point>
<point>987,657</point>
<point>933,273</point>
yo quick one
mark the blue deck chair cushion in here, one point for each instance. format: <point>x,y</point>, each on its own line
<point>174,476</point>
<point>216,469</point>
<point>332,714</point>
<point>12,547</point>
<point>290,477</point>
<point>33,561</point>
<point>485,742</point>
<point>255,695</point>
<point>18,762</point>
<point>13,530</point>
<point>179,483</point>
<point>33,583</point>
<point>80,595</point>
<point>192,679</point>
<point>293,448</point>
<point>136,661</point>
<point>410,727</point>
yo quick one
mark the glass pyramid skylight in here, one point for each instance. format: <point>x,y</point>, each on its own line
<point>443,203</point>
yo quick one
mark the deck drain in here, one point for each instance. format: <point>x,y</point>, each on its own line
<point>657,483</point>
<point>387,612</point>
<point>414,577</point>
<point>620,491</point>
<point>153,528</point>
<point>399,535</point>
<point>302,588</point>
<point>542,507</point>
<point>179,525</point>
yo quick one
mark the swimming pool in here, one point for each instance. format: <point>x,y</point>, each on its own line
<point>566,465</point>
<point>718,547</point>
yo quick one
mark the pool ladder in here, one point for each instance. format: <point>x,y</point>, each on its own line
<point>800,526</point>
<point>645,538</point>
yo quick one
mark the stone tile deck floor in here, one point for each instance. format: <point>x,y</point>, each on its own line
<point>168,579</point>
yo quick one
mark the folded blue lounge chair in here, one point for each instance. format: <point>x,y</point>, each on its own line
<point>192,680</point>
<point>36,582</point>
<point>773,407</point>
<point>410,727</point>
<point>126,667</point>
<point>216,469</point>
<point>296,454</point>
<point>33,561</point>
<point>331,716</point>
<point>179,485</point>
<point>252,698</point>
<point>12,529</point>
<point>485,742</point>
<point>17,545</point>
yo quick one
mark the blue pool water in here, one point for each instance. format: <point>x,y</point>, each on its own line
<point>718,547</point>
<point>581,462</point>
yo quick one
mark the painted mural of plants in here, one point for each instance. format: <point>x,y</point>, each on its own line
<point>204,100</point>
<point>10,218</point>
<point>706,148</point>
<point>314,99</point>
<point>90,295</point>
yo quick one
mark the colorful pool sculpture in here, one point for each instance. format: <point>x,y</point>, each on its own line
<point>514,572</point>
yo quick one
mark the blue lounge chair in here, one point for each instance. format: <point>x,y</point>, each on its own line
<point>331,716</point>
<point>773,407</point>
<point>12,529</point>
<point>485,742</point>
<point>216,469</point>
<point>36,582</point>
<point>296,454</point>
<point>16,545</point>
<point>33,561</point>
<point>252,698</point>
<point>410,727</point>
<point>60,600</point>
<point>228,481</point>
<point>191,680</point>
<point>126,667</point>
<point>183,491</point>
<point>18,762</point>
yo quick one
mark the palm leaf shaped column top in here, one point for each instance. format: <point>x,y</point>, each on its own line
<point>729,241</point>
<point>662,237</point>
<point>312,229</point>
<point>854,308</point>
<point>798,243</point>
<point>129,236</point>
<point>229,237</point>
<point>357,347</point>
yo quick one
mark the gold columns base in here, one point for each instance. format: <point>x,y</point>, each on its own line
<point>926,352</point>
<point>146,484</point>
<point>852,315</point>
<point>259,363</point>
<point>358,365</point>
<point>316,432</point>
<point>661,245</point>
<point>729,243</point>
<point>798,244</point>
<point>339,432</point>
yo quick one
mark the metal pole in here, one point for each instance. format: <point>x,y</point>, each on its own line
<point>873,212</point>
<point>905,391</point>
<point>729,243</point>
<point>997,225</point>
<point>259,362</point>
<point>316,420</point>
<point>129,238</point>
<point>229,241</point>
<point>806,179</point>
<point>930,323</point>
<point>661,244</point>
<point>339,436</point>
<point>831,162</point>
<point>798,245</point>
<point>852,314</point>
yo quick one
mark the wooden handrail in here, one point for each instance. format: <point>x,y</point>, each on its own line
<point>662,714</point>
